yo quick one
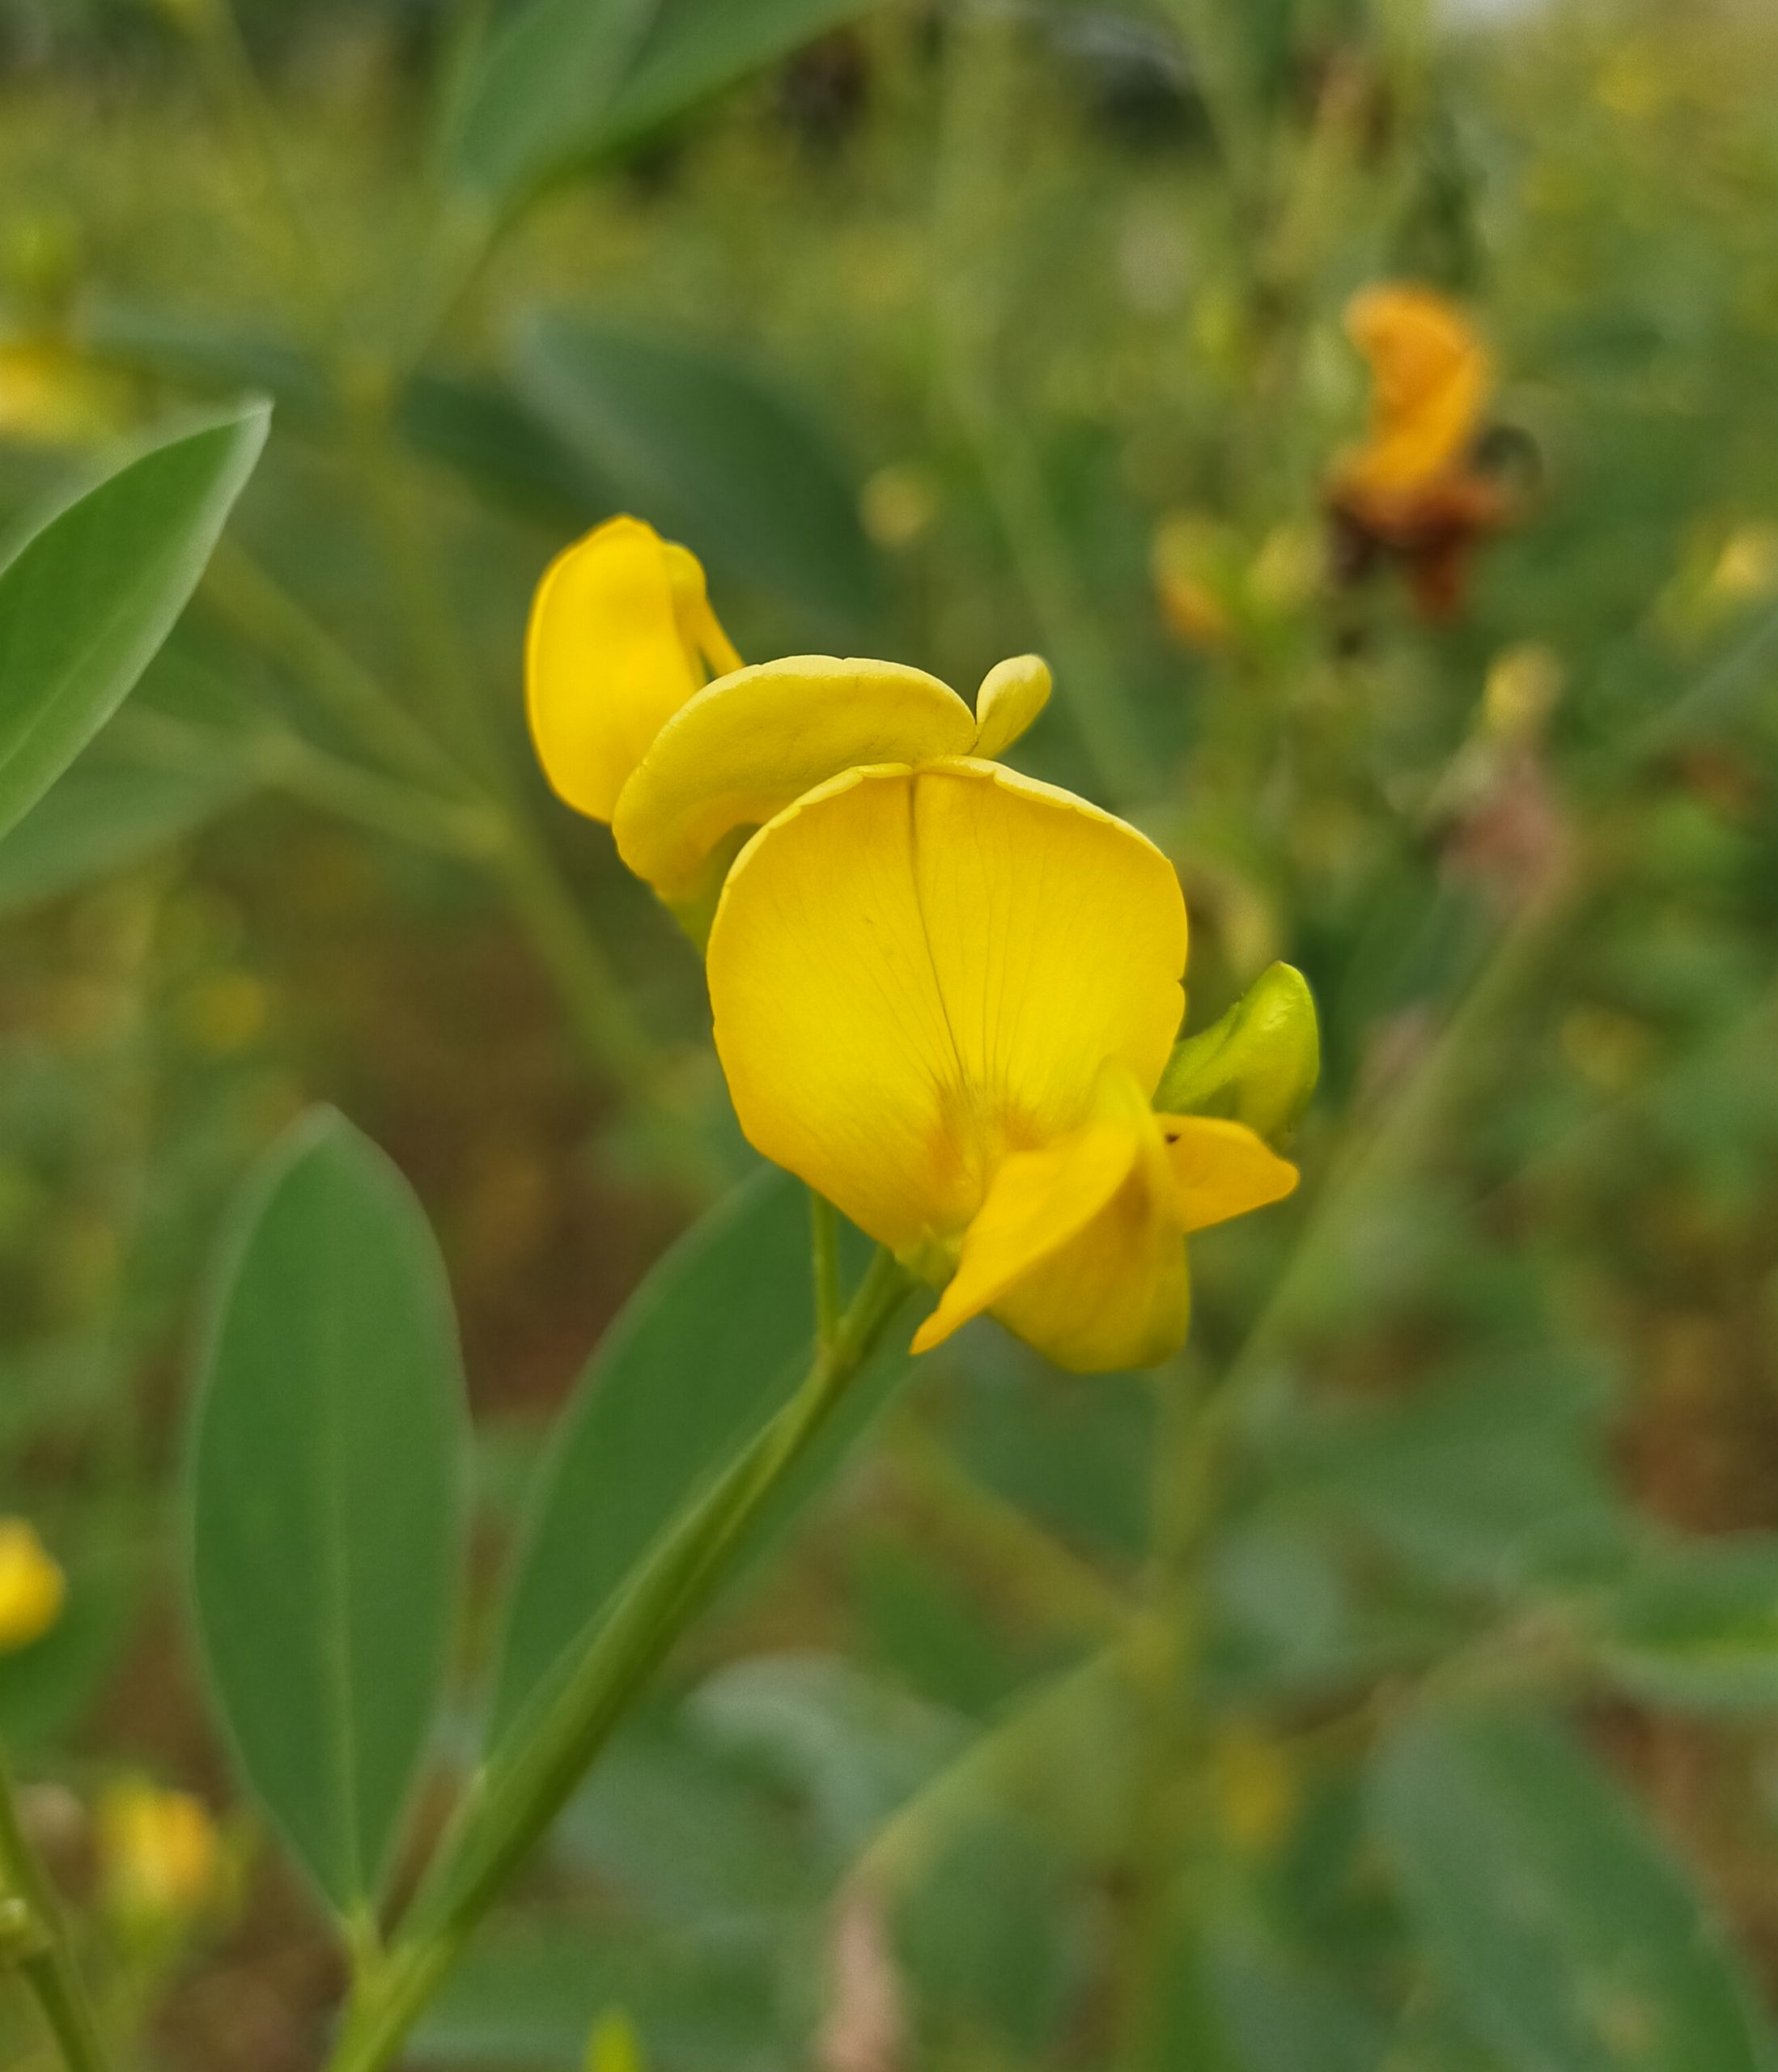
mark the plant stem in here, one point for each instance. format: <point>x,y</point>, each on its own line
<point>555,1743</point>
<point>824,1246</point>
<point>977,136</point>
<point>45,1957</point>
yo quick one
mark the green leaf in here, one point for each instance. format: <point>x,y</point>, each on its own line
<point>1493,1478</point>
<point>477,426</point>
<point>713,1341</point>
<point>567,82</point>
<point>696,48</point>
<point>1572,1939</point>
<point>88,599</point>
<point>537,101</point>
<point>711,454</point>
<point>1696,1626</point>
<point>109,812</point>
<point>326,1491</point>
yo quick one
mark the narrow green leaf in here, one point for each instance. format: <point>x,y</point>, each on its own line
<point>325,1485</point>
<point>538,98</point>
<point>567,82</point>
<point>1572,1939</point>
<point>109,812</point>
<point>696,48</point>
<point>712,455</point>
<point>89,598</point>
<point>1696,1626</point>
<point>713,1342</point>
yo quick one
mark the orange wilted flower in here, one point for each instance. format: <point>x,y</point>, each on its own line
<point>1412,492</point>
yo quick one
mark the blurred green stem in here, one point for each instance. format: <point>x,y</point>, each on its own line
<point>973,181</point>
<point>37,1936</point>
<point>550,1752</point>
<point>1166,1804</point>
<point>824,1246</point>
<point>473,820</point>
<point>226,69</point>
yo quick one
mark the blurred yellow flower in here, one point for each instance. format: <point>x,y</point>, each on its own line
<point>1410,491</point>
<point>1747,570</point>
<point>944,996</point>
<point>1255,1790</point>
<point>1191,562</point>
<point>899,504</point>
<point>33,1587</point>
<point>1432,378</point>
<point>159,1853</point>
<point>614,2045</point>
<point>49,396</point>
<point>621,634</point>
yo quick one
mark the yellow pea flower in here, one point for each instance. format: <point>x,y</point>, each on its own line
<point>745,746</point>
<point>621,634</point>
<point>1432,378</point>
<point>159,1850</point>
<point>630,729</point>
<point>944,997</point>
<point>33,1587</point>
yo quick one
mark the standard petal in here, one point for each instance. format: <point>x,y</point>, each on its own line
<point>749,744</point>
<point>1012,693</point>
<point>605,665</point>
<point>916,973</point>
<point>1221,1169</point>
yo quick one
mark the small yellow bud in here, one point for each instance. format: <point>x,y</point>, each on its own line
<point>1524,682</point>
<point>899,505</point>
<point>33,1587</point>
<point>159,1850</point>
<point>1255,1791</point>
<point>1747,569</point>
<point>614,2045</point>
<point>1257,1065</point>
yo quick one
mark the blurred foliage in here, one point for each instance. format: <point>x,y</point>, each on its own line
<point>964,330</point>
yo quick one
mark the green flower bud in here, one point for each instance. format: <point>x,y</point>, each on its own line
<point>1257,1065</point>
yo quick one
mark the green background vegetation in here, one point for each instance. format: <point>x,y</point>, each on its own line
<point>919,337</point>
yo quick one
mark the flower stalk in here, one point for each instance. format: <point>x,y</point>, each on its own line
<point>34,1939</point>
<point>549,1752</point>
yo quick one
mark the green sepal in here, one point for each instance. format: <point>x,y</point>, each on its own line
<point>1257,1065</point>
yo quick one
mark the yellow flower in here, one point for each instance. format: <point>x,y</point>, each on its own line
<point>944,997</point>
<point>621,640</point>
<point>33,1587</point>
<point>158,1849</point>
<point>1433,379</point>
<point>748,745</point>
<point>621,634</point>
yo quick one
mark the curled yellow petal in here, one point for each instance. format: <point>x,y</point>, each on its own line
<point>1221,1169</point>
<point>748,745</point>
<point>1013,693</point>
<point>1036,1203</point>
<point>1432,375</point>
<point>33,1587</point>
<point>915,973</point>
<point>1078,1249</point>
<point>621,634</point>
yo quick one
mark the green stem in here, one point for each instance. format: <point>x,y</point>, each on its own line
<point>978,138</point>
<point>823,1246</point>
<point>258,607</point>
<point>43,1955</point>
<point>555,1743</point>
